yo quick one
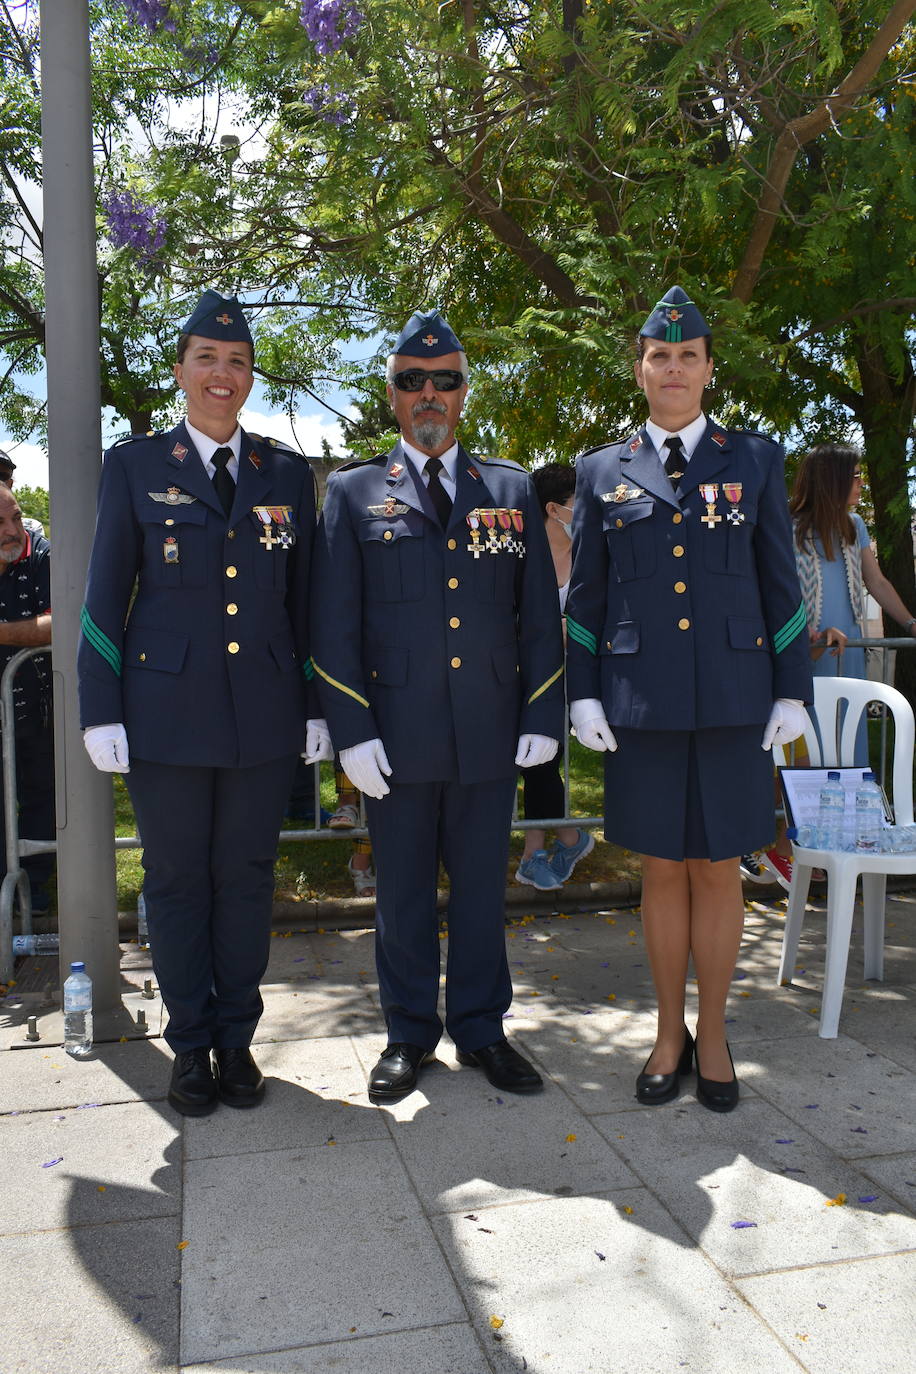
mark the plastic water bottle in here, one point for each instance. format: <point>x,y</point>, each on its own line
<point>78,1012</point>
<point>142,927</point>
<point>806,836</point>
<point>831,812</point>
<point>869,815</point>
<point>35,944</point>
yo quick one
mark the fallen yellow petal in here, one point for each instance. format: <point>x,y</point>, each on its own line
<point>629,1211</point>
<point>838,1201</point>
<point>182,1245</point>
<point>497,1322</point>
<point>612,997</point>
<point>100,1188</point>
<point>570,1139</point>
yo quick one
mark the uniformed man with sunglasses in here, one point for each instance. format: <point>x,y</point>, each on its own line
<point>439,660</point>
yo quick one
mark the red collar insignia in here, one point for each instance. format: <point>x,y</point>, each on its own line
<point>254,460</point>
<point>180,452</point>
<point>395,470</point>
<point>718,439</point>
<point>472,472</point>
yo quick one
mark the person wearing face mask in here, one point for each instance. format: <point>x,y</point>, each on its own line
<point>439,661</point>
<point>687,660</point>
<point>542,785</point>
<point>198,689</point>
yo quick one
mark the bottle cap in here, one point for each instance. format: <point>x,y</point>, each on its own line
<point>868,776</point>
<point>791,832</point>
<point>833,775</point>
<point>78,966</point>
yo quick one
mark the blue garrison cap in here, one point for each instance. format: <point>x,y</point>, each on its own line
<point>219,317</point>
<point>675,318</point>
<point>427,336</point>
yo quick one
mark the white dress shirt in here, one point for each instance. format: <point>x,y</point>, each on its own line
<point>206,447</point>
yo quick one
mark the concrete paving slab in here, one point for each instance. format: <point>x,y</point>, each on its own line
<point>842,1317</point>
<point>895,1176</point>
<point>437,1350</point>
<point>467,1146</point>
<point>847,1095</point>
<point>40,1078</point>
<point>306,1245</point>
<point>315,1092</point>
<point>581,1287</point>
<point>99,1298</point>
<point>753,1166</point>
<point>311,1009</point>
<point>74,1174</point>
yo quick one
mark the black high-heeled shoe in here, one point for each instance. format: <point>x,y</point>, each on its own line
<point>652,1089</point>
<point>718,1096</point>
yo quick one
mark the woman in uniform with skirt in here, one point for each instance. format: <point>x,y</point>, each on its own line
<point>687,660</point>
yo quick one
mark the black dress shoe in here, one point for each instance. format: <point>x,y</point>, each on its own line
<point>654,1088</point>
<point>505,1067</point>
<point>192,1089</point>
<point>717,1096</point>
<point>397,1071</point>
<point>241,1083</point>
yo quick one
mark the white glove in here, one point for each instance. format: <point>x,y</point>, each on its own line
<point>786,723</point>
<point>106,745</point>
<point>535,749</point>
<point>587,718</point>
<point>318,746</point>
<point>364,765</point>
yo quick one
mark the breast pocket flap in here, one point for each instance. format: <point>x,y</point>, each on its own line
<point>627,514</point>
<point>621,639</point>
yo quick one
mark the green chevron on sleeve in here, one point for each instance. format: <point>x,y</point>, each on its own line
<point>582,636</point>
<point>792,628</point>
<point>99,641</point>
<point>308,670</point>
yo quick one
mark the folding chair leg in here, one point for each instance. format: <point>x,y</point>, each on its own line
<point>874,889</point>
<point>795,915</point>
<point>841,896</point>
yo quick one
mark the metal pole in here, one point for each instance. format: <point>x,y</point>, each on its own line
<point>85,823</point>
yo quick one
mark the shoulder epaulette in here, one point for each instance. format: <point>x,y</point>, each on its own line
<point>281,446</point>
<point>498,462</point>
<point>360,463</point>
<point>610,443</point>
<point>759,434</point>
<point>136,438</point>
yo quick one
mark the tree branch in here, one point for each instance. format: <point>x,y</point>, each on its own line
<point>800,131</point>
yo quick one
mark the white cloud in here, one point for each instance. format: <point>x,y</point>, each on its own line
<point>31,464</point>
<point>305,432</point>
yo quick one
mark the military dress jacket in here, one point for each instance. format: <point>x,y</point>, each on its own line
<point>445,644</point>
<point>684,611</point>
<point>208,665</point>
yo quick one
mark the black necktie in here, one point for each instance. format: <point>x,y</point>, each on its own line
<point>222,480</point>
<point>438,495</point>
<point>675,463</point>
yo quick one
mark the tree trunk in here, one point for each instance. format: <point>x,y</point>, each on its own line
<point>887,418</point>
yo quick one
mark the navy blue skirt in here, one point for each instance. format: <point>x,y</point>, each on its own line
<point>689,794</point>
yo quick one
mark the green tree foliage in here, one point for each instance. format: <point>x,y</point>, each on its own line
<point>542,171</point>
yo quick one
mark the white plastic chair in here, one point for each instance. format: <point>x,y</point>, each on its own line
<point>835,747</point>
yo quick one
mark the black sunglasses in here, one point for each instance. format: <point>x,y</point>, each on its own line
<point>443,379</point>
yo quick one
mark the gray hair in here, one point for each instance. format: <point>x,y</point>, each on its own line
<point>390,368</point>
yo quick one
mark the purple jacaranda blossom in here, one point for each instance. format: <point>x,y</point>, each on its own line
<point>329,23</point>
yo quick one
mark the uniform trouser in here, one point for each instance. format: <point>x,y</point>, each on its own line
<point>467,826</point>
<point>209,843</point>
<point>35,794</point>
<point>542,789</point>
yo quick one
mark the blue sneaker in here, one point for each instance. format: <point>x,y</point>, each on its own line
<point>537,872</point>
<point>564,857</point>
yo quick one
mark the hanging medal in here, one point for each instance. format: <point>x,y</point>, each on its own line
<point>732,492</point>
<point>710,492</point>
<point>518,524</point>
<point>488,520</point>
<point>473,519</point>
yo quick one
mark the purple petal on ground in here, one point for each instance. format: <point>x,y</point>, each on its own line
<point>869,1197</point>
<point>785,1142</point>
<point>49,1164</point>
<point>742,1225</point>
<point>858,1130</point>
